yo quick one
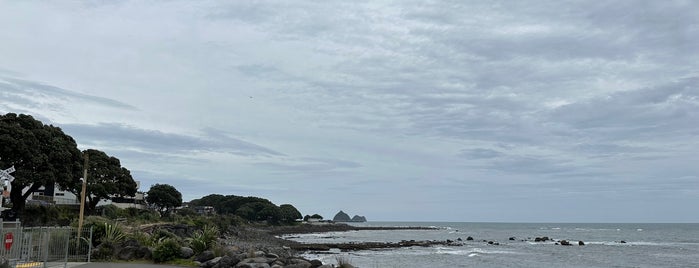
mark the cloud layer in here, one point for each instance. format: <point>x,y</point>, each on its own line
<point>391,108</point>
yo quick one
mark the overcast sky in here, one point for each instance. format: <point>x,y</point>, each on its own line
<point>545,111</point>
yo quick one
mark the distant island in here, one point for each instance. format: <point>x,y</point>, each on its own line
<point>343,217</point>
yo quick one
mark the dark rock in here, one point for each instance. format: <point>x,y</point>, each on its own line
<point>127,253</point>
<point>565,243</point>
<point>581,243</point>
<point>210,263</point>
<point>341,217</point>
<point>469,238</point>
<point>226,262</point>
<point>623,242</point>
<point>542,239</point>
<point>186,252</point>
<point>144,252</point>
<point>358,218</point>
<point>459,239</point>
<point>316,263</point>
<point>253,265</point>
<point>298,263</point>
<point>490,242</point>
<point>450,241</point>
<point>205,256</point>
<point>512,238</point>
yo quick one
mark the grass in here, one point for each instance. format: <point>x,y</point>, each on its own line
<point>343,261</point>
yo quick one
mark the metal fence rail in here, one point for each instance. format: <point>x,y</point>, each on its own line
<point>44,246</point>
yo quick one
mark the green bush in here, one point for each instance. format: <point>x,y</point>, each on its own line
<point>203,239</point>
<point>167,250</point>
<point>143,238</point>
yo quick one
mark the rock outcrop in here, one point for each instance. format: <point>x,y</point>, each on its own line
<point>358,218</point>
<point>341,217</point>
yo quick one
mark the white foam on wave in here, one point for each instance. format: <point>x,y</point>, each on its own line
<point>469,252</point>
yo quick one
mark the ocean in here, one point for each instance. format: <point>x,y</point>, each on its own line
<point>647,245</point>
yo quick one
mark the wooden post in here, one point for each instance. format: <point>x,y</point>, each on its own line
<point>82,198</point>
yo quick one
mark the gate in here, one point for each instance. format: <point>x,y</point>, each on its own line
<point>43,246</point>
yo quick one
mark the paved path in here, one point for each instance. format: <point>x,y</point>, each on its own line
<point>117,265</point>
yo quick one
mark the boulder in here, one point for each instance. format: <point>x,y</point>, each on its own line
<point>226,262</point>
<point>205,256</point>
<point>252,265</point>
<point>623,242</point>
<point>186,252</point>
<point>210,263</point>
<point>316,263</point>
<point>298,263</point>
<point>581,243</point>
<point>144,252</point>
<point>542,239</point>
<point>565,243</point>
<point>513,238</point>
<point>469,238</point>
<point>127,253</point>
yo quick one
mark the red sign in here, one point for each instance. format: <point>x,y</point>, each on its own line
<point>8,241</point>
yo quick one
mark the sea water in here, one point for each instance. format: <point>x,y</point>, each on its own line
<point>646,245</point>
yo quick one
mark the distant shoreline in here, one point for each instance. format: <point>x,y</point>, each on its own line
<point>336,227</point>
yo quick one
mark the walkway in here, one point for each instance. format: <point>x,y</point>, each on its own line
<point>117,265</point>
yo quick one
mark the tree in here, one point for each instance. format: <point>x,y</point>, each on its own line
<point>164,197</point>
<point>42,155</point>
<point>106,178</point>
<point>315,216</point>
<point>289,213</point>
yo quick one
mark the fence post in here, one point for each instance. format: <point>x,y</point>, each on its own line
<point>89,245</point>
<point>65,261</point>
<point>47,245</point>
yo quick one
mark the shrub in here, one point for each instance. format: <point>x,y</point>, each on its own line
<point>203,239</point>
<point>167,250</point>
<point>113,234</point>
<point>143,238</point>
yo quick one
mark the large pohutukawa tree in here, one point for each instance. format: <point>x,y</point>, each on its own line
<point>106,179</point>
<point>42,155</point>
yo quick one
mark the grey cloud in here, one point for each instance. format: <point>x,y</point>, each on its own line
<point>480,153</point>
<point>312,165</point>
<point>25,92</point>
<point>653,112</point>
<point>158,141</point>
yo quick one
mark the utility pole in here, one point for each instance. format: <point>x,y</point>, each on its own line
<point>82,197</point>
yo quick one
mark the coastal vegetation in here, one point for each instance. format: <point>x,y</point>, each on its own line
<point>168,230</point>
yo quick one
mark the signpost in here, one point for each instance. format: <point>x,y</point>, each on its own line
<point>6,179</point>
<point>5,174</point>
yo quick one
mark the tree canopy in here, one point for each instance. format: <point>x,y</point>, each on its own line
<point>164,197</point>
<point>289,213</point>
<point>41,154</point>
<point>106,178</point>
<point>250,208</point>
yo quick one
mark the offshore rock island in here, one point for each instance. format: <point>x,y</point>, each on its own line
<point>343,217</point>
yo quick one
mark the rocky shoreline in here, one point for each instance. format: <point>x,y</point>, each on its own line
<point>263,247</point>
